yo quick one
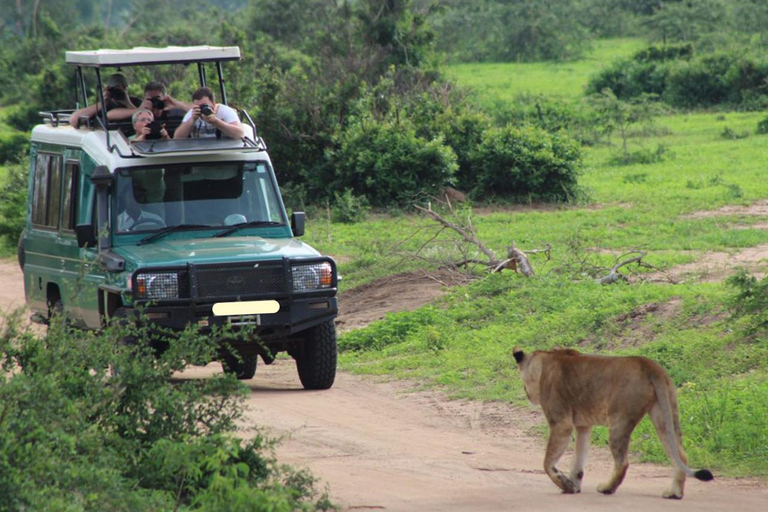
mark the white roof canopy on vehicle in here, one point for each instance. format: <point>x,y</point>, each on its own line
<point>145,55</point>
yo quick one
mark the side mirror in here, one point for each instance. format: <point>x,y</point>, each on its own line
<point>298,221</point>
<point>101,176</point>
<point>86,235</point>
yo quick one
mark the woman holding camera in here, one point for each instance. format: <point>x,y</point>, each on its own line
<point>119,105</point>
<point>146,127</point>
<point>209,119</point>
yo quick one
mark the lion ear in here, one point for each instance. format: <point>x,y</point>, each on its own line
<point>518,354</point>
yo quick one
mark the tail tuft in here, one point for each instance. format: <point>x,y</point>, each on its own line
<point>704,475</point>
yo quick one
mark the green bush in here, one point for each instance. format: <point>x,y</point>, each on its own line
<point>13,147</point>
<point>735,77</point>
<point>644,73</point>
<point>13,203</point>
<point>527,163</point>
<point>700,82</point>
<point>387,163</point>
<point>463,132</point>
<point>349,208</point>
<point>762,126</point>
<point>76,436</point>
<point>751,298</point>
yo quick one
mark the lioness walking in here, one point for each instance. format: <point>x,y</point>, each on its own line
<point>577,390</point>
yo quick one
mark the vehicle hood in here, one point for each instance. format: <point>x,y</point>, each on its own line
<point>179,252</point>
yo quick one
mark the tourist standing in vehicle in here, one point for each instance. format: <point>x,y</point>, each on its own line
<point>119,105</point>
<point>146,128</point>
<point>165,108</point>
<point>209,119</point>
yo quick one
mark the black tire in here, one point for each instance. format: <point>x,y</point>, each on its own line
<point>244,366</point>
<point>55,308</point>
<point>123,317</point>
<point>20,251</point>
<point>316,363</point>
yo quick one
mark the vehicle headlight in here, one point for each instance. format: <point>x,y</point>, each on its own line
<point>312,276</point>
<point>157,285</point>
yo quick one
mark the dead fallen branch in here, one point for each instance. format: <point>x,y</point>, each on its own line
<point>516,258</point>
<point>615,276</point>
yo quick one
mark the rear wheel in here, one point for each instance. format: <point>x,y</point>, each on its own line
<point>316,363</point>
<point>244,367</point>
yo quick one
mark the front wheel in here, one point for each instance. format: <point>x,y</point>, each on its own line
<point>316,363</point>
<point>244,366</point>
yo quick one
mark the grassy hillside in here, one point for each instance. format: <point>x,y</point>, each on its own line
<point>503,82</point>
<point>462,344</point>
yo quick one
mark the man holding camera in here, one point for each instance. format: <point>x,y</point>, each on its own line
<point>165,108</point>
<point>209,119</point>
<point>119,105</point>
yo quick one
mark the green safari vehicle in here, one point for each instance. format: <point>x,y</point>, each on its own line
<point>212,246</point>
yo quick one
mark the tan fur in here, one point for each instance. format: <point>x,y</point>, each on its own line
<point>578,391</point>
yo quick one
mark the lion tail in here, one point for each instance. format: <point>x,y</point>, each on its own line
<point>669,413</point>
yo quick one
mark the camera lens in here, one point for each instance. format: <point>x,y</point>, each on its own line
<point>157,103</point>
<point>116,93</point>
<point>205,109</point>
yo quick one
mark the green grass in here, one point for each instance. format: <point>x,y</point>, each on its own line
<point>462,343</point>
<point>500,83</point>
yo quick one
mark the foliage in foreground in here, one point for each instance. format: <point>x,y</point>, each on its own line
<point>76,436</point>
<point>463,344</point>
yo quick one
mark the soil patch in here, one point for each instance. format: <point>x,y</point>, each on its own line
<point>402,292</point>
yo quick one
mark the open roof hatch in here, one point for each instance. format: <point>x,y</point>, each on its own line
<point>145,56</point>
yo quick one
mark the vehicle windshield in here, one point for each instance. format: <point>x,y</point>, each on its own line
<point>209,195</point>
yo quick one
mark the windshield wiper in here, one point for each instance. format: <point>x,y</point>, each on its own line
<point>251,224</point>
<point>170,229</point>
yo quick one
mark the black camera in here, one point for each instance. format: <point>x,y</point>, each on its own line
<point>117,93</point>
<point>155,127</point>
<point>157,103</point>
<point>206,109</point>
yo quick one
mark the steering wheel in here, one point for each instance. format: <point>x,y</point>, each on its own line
<point>147,224</point>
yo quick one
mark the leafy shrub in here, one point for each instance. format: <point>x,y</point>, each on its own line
<point>13,147</point>
<point>349,208</point>
<point>578,119</point>
<point>643,73</point>
<point>730,134</point>
<point>736,77</point>
<point>525,163</point>
<point>75,436</point>
<point>13,203</point>
<point>463,133</point>
<point>751,298</point>
<point>643,156</point>
<point>388,163</point>
<point>700,82</point>
<point>762,126</point>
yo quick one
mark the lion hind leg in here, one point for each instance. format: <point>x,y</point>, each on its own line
<point>559,438</point>
<point>580,458</point>
<point>676,488</point>
<point>619,443</point>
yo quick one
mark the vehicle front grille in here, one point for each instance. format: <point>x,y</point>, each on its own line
<point>239,280</point>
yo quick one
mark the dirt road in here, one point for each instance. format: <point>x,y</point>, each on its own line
<point>380,447</point>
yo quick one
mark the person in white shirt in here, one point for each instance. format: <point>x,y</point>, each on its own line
<point>207,118</point>
<point>133,216</point>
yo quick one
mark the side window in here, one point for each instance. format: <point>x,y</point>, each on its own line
<point>68,205</point>
<point>46,195</point>
<point>40,191</point>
